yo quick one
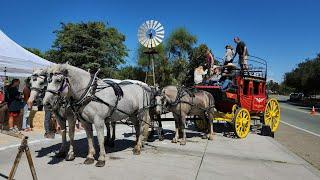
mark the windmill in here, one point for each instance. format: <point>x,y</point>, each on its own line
<point>150,35</point>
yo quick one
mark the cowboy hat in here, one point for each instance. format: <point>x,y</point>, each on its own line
<point>215,66</point>
<point>230,65</point>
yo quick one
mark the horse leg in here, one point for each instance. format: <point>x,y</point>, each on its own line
<point>204,118</point>
<point>63,149</point>
<point>72,124</point>
<point>183,129</point>
<point>137,147</point>
<point>91,150</point>
<point>113,138</point>
<point>176,136</point>
<point>99,125</point>
<point>108,133</point>
<point>142,127</point>
<point>145,125</point>
<point>210,122</point>
<point>161,133</point>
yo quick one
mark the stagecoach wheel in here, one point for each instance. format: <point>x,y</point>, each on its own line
<point>201,125</point>
<point>272,114</point>
<point>242,123</point>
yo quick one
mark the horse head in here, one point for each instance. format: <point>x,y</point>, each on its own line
<point>38,83</point>
<point>58,86</point>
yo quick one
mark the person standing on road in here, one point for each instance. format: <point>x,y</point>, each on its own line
<point>14,103</point>
<point>242,51</point>
<point>26,110</point>
<point>47,124</point>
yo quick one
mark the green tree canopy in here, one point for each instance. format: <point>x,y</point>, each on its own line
<point>305,77</point>
<point>86,45</point>
<point>35,51</point>
<point>180,43</point>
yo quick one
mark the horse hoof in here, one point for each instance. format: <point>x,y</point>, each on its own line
<point>70,157</point>
<point>183,142</point>
<point>88,161</point>
<point>210,137</point>
<point>204,136</point>
<point>100,163</point>
<point>61,154</point>
<point>174,140</point>
<point>136,152</point>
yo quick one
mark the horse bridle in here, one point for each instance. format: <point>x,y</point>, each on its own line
<point>63,86</point>
<point>34,77</point>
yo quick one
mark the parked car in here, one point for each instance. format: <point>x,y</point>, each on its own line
<point>296,96</point>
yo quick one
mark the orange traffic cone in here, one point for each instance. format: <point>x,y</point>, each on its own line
<point>313,111</point>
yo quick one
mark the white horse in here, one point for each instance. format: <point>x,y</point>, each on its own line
<point>97,102</point>
<point>62,114</point>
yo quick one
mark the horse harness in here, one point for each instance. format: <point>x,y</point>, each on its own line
<point>182,91</point>
<point>89,95</point>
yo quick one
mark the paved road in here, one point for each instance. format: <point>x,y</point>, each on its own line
<point>300,131</point>
<point>256,157</point>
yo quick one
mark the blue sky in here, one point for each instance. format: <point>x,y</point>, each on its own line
<point>284,32</point>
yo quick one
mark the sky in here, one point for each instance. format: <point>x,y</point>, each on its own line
<point>285,32</point>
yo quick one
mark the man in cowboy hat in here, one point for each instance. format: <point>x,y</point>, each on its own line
<point>242,51</point>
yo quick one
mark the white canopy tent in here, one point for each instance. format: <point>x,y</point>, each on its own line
<point>17,61</point>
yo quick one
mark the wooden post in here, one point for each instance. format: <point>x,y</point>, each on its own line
<point>23,148</point>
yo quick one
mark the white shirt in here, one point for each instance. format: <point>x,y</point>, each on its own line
<point>228,55</point>
<point>198,76</point>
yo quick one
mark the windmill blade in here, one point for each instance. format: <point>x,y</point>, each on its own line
<point>157,31</point>
<point>149,24</point>
<point>158,39</point>
<point>152,24</point>
<point>153,43</point>
<point>160,29</point>
<point>161,36</point>
<point>157,26</point>
<point>157,42</point>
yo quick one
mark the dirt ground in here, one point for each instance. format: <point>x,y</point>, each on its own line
<point>301,143</point>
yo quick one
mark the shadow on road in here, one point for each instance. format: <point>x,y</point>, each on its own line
<point>81,149</point>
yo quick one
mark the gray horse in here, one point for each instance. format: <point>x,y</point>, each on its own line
<point>181,102</point>
<point>62,114</point>
<point>97,102</point>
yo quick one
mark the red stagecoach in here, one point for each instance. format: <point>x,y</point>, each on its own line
<point>245,98</point>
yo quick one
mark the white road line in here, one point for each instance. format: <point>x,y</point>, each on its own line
<point>315,134</point>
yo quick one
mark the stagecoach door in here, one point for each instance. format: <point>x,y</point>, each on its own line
<point>247,93</point>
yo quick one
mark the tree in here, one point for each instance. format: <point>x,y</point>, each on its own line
<point>273,86</point>
<point>179,47</point>
<point>36,52</point>
<point>86,45</point>
<point>163,68</point>
<point>131,72</point>
<point>197,58</point>
<point>305,77</point>
<point>180,43</point>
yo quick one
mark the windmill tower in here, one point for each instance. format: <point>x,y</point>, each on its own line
<point>150,35</point>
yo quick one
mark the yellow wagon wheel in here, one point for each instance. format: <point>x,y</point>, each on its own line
<point>242,122</point>
<point>272,114</point>
<point>201,125</point>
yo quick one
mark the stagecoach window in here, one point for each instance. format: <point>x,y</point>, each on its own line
<point>245,87</point>
<point>255,88</point>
